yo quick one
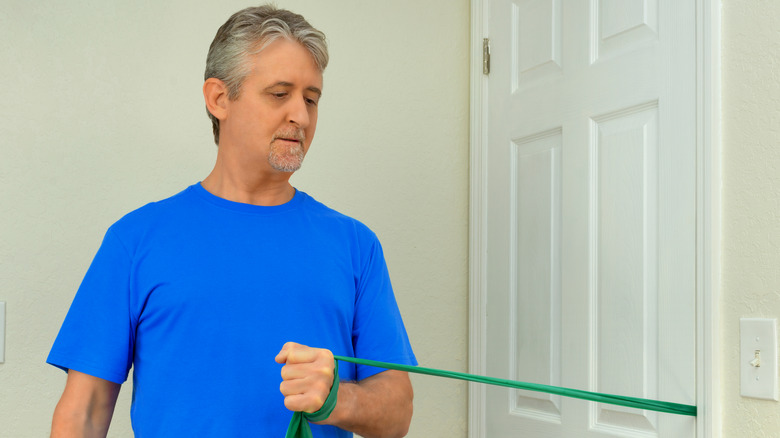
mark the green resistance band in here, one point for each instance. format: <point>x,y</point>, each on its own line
<point>631,402</point>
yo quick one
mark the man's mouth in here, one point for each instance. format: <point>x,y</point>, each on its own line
<point>292,136</point>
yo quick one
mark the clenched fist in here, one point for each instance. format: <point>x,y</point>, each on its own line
<point>307,376</point>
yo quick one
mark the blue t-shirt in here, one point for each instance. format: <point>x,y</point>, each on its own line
<point>198,294</point>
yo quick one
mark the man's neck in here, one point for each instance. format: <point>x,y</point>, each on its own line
<point>257,190</point>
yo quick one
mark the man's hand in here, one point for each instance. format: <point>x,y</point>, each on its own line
<point>307,376</point>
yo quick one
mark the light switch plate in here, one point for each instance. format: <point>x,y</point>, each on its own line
<point>758,358</point>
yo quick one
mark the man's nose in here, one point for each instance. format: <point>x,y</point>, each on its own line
<point>299,112</point>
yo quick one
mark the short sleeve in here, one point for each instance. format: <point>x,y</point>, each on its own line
<point>378,331</point>
<point>96,337</point>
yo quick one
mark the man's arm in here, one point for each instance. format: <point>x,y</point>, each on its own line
<point>377,407</point>
<point>85,408</point>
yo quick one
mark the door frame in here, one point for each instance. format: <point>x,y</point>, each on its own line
<point>708,218</point>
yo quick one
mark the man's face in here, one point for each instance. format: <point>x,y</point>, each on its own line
<point>270,126</point>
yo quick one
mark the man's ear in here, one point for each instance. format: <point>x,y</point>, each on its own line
<point>216,94</point>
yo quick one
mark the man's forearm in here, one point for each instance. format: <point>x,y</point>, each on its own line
<point>73,423</point>
<point>378,407</point>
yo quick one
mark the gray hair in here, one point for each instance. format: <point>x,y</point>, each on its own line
<point>248,32</point>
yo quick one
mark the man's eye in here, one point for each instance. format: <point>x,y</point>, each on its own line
<point>279,95</point>
<point>311,102</point>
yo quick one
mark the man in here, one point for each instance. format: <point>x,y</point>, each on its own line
<point>200,292</point>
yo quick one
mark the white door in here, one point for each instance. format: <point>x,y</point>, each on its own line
<point>591,214</point>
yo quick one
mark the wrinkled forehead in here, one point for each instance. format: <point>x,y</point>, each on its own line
<point>287,62</point>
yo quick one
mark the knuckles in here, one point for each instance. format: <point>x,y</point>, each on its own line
<point>326,372</point>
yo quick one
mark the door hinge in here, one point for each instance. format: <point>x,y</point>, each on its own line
<point>486,56</point>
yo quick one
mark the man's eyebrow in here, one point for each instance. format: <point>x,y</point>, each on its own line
<point>313,89</point>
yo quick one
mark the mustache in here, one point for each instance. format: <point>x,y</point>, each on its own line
<point>290,134</point>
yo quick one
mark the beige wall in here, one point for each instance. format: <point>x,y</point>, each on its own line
<point>751,197</point>
<point>101,112</point>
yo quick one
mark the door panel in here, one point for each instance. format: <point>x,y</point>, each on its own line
<point>591,173</point>
<point>535,278</point>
